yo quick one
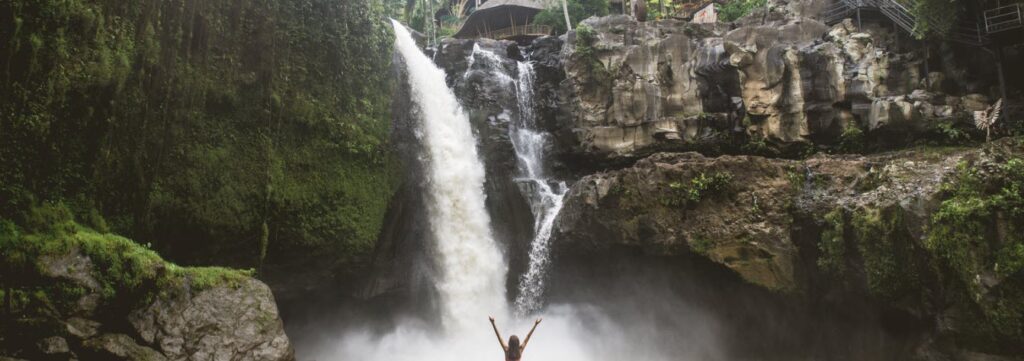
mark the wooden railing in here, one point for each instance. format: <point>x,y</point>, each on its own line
<point>517,31</point>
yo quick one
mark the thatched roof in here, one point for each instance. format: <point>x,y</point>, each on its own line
<point>500,14</point>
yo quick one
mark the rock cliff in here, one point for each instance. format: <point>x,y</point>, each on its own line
<point>632,88</point>
<point>894,226</point>
<point>738,147</point>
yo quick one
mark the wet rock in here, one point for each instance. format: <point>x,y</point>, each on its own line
<point>82,328</point>
<point>55,345</point>
<point>123,347</point>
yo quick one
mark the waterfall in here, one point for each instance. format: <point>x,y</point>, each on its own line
<point>545,194</point>
<point>472,268</point>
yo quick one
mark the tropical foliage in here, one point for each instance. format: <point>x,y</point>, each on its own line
<point>578,11</point>
<point>211,135</point>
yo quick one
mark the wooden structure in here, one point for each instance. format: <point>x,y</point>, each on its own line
<point>505,19</point>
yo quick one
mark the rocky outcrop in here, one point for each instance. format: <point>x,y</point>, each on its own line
<point>91,296</point>
<point>885,226</point>
<point>636,88</point>
<point>237,321</point>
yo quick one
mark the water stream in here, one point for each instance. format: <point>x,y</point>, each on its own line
<point>544,193</point>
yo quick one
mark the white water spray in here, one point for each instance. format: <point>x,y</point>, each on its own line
<point>472,280</point>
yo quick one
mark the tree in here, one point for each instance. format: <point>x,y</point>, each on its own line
<point>577,10</point>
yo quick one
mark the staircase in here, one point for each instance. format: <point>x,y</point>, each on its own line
<point>964,32</point>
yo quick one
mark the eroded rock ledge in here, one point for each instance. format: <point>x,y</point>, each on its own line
<point>930,232</point>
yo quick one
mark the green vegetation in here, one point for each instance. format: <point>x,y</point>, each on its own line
<point>979,204</point>
<point>735,9</point>
<point>585,54</point>
<point>698,188</point>
<point>887,252</point>
<point>971,257</point>
<point>884,251</point>
<point>832,244</point>
<point>934,17</point>
<point>701,244</point>
<point>579,10</point>
<point>851,140</point>
<point>758,144</point>
<point>218,131</point>
<point>978,231</point>
<point>952,133</point>
<point>125,272</point>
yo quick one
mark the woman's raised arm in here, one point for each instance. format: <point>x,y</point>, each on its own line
<point>527,340</point>
<point>496,333</point>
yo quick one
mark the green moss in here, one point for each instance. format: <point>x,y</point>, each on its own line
<point>832,244</point>
<point>126,272</point>
<point>191,125</point>
<point>978,231</point>
<point>888,253</point>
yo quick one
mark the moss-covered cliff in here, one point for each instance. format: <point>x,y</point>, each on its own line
<point>71,292</point>
<point>219,131</point>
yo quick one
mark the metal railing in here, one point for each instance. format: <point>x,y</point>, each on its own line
<point>898,11</point>
<point>836,12</point>
<point>517,31</point>
<point>968,33</point>
<point>1004,18</point>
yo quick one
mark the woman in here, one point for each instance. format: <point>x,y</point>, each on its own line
<point>514,351</point>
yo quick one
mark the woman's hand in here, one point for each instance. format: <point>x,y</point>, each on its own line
<point>537,322</point>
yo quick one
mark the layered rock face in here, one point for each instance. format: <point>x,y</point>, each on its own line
<point>635,88</point>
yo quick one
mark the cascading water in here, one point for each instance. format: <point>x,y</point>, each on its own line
<point>472,268</point>
<point>545,194</point>
<point>470,265</point>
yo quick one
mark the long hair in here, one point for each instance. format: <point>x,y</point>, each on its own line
<point>514,351</point>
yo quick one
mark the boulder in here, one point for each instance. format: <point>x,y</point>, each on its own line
<point>231,322</point>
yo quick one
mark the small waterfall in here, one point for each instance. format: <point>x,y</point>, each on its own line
<point>544,193</point>
<point>471,284</point>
